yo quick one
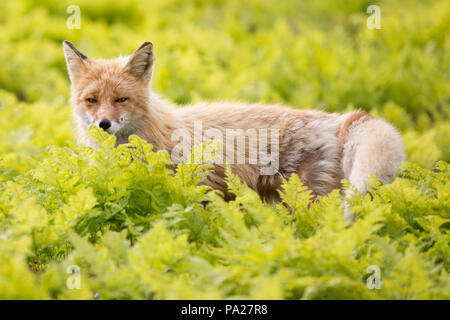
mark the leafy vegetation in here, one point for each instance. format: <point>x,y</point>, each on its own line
<point>137,230</point>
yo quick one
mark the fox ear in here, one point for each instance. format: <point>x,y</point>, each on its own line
<point>75,59</point>
<point>141,62</point>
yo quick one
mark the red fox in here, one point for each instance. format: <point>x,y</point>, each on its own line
<point>321,148</point>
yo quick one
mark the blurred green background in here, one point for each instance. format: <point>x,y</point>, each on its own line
<point>307,54</point>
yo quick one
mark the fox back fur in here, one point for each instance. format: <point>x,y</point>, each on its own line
<point>322,148</point>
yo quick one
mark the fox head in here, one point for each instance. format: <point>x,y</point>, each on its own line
<point>111,94</point>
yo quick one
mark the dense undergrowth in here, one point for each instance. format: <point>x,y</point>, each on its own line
<point>137,230</point>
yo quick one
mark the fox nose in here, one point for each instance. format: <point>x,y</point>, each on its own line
<point>104,124</point>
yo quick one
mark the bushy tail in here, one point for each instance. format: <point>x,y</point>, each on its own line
<point>370,146</point>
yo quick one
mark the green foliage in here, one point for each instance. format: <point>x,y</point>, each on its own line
<point>139,230</point>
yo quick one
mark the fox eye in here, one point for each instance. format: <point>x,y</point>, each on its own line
<point>121,100</point>
<point>91,100</point>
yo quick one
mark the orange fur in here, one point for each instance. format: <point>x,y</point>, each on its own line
<point>320,147</point>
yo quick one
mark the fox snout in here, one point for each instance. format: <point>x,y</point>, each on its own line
<point>105,124</point>
<point>110,125</point>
